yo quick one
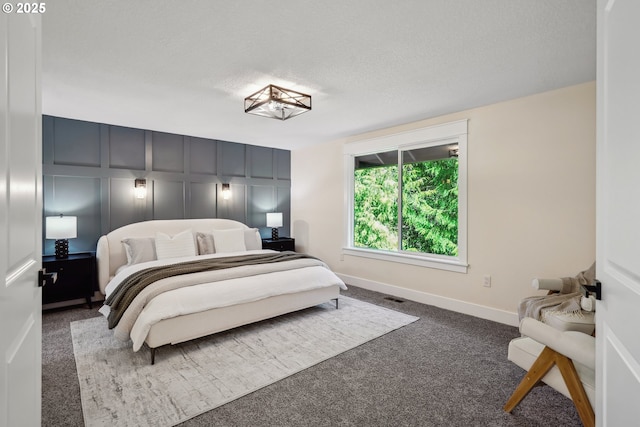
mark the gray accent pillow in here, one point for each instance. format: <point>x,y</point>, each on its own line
<point>140,249</point>
<point>205,243</point>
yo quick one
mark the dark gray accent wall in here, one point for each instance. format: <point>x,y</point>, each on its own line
<point>89,171</point>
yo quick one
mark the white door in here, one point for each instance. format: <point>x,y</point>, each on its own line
<point>20,220</point>
<point>618,214</point>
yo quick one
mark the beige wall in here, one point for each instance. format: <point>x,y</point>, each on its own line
<point>531,204</point>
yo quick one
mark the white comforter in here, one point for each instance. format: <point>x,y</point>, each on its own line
<point>226,290</point>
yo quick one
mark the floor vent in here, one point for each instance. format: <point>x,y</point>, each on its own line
<point>393,299</point>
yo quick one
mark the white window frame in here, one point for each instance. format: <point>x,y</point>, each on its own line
<point>447,133</point>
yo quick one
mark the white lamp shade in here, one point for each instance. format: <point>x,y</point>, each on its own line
<point>61,227</point>
<point>274,219</point>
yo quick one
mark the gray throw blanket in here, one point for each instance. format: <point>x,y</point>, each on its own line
<point>120,299</point>
<point>567,301</point>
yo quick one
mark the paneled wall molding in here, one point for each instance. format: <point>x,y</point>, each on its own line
<point>89,171</point>
<point>59,170</point>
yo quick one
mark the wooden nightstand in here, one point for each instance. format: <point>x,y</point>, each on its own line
<point>281,244</point>
<point>76,277</point>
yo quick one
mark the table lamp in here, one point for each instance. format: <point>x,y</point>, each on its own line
<point>61,228</point>
<point>274,220</point>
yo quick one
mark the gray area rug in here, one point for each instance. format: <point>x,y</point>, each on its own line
<point>120,388</point>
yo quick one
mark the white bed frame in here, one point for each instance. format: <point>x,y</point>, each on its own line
<point>110,255</point>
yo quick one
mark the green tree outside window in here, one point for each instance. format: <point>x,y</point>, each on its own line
<point>429,194</point>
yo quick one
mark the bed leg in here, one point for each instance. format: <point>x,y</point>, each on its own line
<point>153,355</point>
<point>336,300</point>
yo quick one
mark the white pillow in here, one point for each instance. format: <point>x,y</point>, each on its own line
<point>252,239</point>
<point>139,249</point>
<point>229,240</point>
<point>180,245</point>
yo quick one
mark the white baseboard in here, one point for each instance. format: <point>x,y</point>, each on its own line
<point>476,310</point>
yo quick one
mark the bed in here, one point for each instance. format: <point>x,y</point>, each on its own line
<point>163,282</point>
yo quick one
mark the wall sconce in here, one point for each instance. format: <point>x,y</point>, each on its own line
<point>140,189</point>
<point>61,228</point>
<point>226,191</point>
<point>274,220</point>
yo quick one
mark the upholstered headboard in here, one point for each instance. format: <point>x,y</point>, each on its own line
<point>111,255</point>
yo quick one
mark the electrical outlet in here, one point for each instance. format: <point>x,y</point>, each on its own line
<point>487,282</point>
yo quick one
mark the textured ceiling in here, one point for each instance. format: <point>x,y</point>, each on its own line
<point>185,66</point>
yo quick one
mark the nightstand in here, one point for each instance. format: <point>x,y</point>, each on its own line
<point>76,277</point>
<point>281,244</point>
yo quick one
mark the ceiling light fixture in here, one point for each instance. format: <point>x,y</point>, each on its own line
<point>277,102</point>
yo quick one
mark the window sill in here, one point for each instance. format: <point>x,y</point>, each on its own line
<point>405,258</point>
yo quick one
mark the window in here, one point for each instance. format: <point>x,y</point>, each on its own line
<point>407,197</point>
<point>375,206</point>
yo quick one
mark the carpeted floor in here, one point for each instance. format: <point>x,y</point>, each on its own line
<point>120,387</point>
<point>446,369</point>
